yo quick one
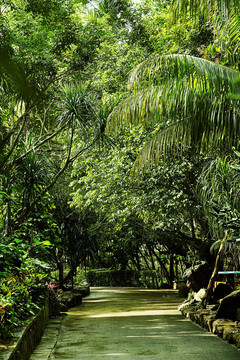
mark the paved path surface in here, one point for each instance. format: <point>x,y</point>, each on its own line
<point>130,324</point>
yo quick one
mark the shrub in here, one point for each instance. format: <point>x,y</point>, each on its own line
<point>21,295</point>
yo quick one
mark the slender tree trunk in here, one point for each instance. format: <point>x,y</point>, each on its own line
<point>69,275</point>
<point>213,277</point>
<point>138,265</point>
<point>176,269</point>
<point>154,276</point>
<point>171,269</point>
<point>145,259</point>
<point>27,212</point>
<point>164,269</point>
<point>7,229</point>
<point>60,270</point>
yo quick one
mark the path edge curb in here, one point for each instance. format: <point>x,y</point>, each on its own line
<point>227,330</point>
<point>29,336</point>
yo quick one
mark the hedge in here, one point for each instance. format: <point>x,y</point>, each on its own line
<point>106,277</point>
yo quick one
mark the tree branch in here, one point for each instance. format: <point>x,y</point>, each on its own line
<point>25,214</point>
<point>14,143</point>
<point>38,145</point>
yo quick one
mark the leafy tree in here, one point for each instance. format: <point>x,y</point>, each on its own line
<point>139,220</point>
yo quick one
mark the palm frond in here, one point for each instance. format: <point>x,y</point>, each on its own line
<point>215,246</point>
<point>194,70</point>
<point>219,184</point>
<point>234,32</point>
<point>190,99</point>
<point>204,7</point>
<point>193,93</point>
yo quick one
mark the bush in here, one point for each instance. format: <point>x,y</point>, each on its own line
<point>21,295</point>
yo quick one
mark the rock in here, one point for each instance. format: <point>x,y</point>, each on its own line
<point>70,299</point>
<point>237,341</point>
<point>227,329</point>
<point>197,276</point>
<point>83,290</point>
<point>221,291</point>
<point>198,296</point>
<point>208,321</point>
<point>186,306</point>
<point>183,290</point>
<point>229,305</point>
<point>231,336</point>
<point>219,325</point>
<point>193,299</point>
<point>201,313</point>
<point>63,307</point>
<point>227,333</point>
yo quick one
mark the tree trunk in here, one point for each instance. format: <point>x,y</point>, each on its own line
<point>145,260</point>
<point>60,270</point>
<point>163,267</point>
<point>154,275</point>
<point>69,275</point>
<point>213,277</point>
<point>171,269</point>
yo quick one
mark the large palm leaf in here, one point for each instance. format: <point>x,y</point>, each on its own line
<point>191,101</point>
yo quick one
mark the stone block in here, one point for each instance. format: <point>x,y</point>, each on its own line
<point>227,333</point>
<point>229,305</point>
<point>218,326</point>
<point>70,299</point>
<point>237,341</point>
<point>201,314</point>
<point>82,290</point>
<point>208,321</point>
<point>63,307</point>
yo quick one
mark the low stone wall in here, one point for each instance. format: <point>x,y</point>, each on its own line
<point>28,337</point>
<point>228,330</point>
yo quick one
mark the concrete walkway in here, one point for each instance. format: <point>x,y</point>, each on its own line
<point>126,324</point>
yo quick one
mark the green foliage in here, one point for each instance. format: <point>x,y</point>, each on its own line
<point>218,186</point>
<point>224,17</point>
<point>22,294</point>
<point>105,277</point>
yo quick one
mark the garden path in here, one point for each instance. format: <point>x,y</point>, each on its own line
<point>130,324</point>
